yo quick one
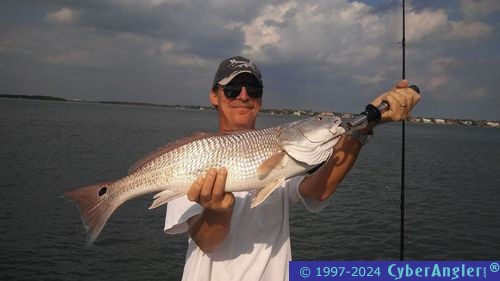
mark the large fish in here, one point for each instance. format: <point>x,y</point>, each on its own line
<point>255,160</point>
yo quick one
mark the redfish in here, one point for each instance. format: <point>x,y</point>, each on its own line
<point>256,160</point>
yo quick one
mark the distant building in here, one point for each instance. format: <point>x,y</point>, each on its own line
<point>326,113</point>
<point>492,124</point>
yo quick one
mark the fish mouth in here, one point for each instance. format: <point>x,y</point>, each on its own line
<point>336,129</point>
<point>322,140</point>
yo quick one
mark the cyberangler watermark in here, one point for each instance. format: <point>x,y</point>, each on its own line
<point>440,270</point>
<point>394,270</point>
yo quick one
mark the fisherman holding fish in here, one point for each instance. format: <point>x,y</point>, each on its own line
<point>236,236</point>
<point>231,191</point>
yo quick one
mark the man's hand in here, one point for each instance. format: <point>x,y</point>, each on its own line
<point>401,100</point>
<point>209,191</point>
<point>211,227</point>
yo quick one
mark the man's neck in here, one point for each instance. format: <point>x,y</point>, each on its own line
<point>224,128</point>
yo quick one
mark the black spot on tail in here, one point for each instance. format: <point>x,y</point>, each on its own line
<point>103,191</point>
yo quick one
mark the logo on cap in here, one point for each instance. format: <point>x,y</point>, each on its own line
<point>230,68</point>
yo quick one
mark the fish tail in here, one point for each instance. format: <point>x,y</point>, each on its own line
<point>95,207</point>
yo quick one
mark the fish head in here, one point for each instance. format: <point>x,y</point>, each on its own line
<point>318,129</point>
<point>311,140</point>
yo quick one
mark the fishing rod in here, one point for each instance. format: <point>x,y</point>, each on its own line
<point>373,114</point>
<point>403,149</point>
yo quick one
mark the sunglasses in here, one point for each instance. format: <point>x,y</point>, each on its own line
<point>232,90</point>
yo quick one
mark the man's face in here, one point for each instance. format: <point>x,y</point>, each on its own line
<point>238,112</point>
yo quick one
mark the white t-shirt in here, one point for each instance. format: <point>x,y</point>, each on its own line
<point>258,244</point>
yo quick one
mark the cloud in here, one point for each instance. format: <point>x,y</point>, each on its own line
<point>320,31</point>
<point>426,23</point>
<point>481,93</point>
<point>479,8</point>
<point>264,30</point>
<point>443,64</point>
<point>371,79</point>
<point>466,30</point>
<point>435,25</point>
<point>63,15</point>
<point>77,57</point>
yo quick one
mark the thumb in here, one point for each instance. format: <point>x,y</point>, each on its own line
<point>402,84</point>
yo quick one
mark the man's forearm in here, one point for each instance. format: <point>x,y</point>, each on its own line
<point>323,183</point>
<point>210,228</point>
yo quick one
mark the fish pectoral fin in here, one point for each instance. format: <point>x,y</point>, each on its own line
<point>268,165</point>
<point>164,196</point>
<point>262,194</point>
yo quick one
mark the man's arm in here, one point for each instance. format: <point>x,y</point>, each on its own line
<point>323,183</point>
<point>211,227</point>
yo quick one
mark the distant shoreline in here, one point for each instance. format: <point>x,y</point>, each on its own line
<point>33,97</point>
<point>440,121</point>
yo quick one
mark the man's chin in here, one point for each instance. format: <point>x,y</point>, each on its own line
<point>244,118</point>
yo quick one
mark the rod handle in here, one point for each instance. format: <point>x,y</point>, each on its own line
<point>374,113</point>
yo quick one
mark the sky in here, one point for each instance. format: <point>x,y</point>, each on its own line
<point>323,55</point>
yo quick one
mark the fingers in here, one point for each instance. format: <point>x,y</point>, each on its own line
<point>397,106</point>
<point>201,188</point>
<point>401,100</point>
<point>193,193</point>
<point>208,185</point>
<point>402,84</point>
<point>412,97</point>
<point>219,185</point>
<point>209,191</point>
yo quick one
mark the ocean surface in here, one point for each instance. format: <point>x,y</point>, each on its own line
<point>46,148</point>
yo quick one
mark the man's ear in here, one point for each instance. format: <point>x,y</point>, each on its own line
<point>213,98</point>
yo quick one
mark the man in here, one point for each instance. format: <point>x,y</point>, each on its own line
<point>228,240</point>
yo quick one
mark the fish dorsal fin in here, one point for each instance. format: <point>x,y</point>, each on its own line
<point>166,148</point>
<point>165,196</point>
<point>262,194</point>
<point>268,165</point>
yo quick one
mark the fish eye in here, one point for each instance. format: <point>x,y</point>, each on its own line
<point>103,191</point>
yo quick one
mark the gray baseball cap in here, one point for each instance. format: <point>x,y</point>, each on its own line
<point>231,67</point>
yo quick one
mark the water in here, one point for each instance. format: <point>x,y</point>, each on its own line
<point>452,195</point>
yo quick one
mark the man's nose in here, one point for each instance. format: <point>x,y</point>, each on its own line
<point>243,94</point>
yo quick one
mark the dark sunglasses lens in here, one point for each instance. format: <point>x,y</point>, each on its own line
<point>232,91</point>
<point>254,92</point>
